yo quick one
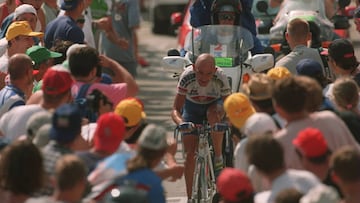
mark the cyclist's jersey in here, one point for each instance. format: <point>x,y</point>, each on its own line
<point>217,87</point>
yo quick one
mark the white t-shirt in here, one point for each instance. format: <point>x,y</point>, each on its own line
<point>302,181</point>
<point>13,123</point>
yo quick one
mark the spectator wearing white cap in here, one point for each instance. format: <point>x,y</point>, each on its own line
<point>27,12</point>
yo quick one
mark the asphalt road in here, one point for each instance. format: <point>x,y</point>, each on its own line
<point>157,90</point>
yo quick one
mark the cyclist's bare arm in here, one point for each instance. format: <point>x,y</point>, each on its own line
<point>176,111</point>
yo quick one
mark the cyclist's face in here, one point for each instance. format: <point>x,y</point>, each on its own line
<point>204,72</point>
<point>226,18</point>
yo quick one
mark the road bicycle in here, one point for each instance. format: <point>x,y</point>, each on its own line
<point>204,181</point>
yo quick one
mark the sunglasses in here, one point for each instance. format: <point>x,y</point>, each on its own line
<point>226,17</point>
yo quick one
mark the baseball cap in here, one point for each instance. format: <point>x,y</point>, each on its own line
<point>258,124</point>
<point>132,110</point>
<point>66,123</point>
<point>24,8</point>
<point>40,54</point>
<point>19,28</point>
<point>109,132</point>
<point>42,136</point>
<point>340,50</point>
<point>69,5</point>
<point>233,185</point>
<point>238,108</point>
<point>279,72</point>
<point>36,121</point>
<point>153,137</point>
<point>73,48</point>
<point>311,142</point>
<point>259,87</point>
<point>56,80</point>
<point>308,67</point>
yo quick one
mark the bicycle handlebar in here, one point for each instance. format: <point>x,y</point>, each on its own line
<point>190,126</point>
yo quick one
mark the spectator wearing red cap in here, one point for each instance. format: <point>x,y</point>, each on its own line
<point>57,91</point>
<point>267,155</point>
<point>345,164</point>
<point>293,98</point>
<point>21,79</point>
<point>234,186</point>
<point>108,135</point>
<point>313,151</point>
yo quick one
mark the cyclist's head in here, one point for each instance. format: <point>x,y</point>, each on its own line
<point>226,12</point>
<point>204,69</point>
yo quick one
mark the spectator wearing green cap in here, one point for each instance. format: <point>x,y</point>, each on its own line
<point>43,59</point>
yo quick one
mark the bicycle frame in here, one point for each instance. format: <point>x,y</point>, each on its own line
<point>204,176</point>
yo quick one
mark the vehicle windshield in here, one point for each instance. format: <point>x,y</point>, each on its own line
<point>225,42</point>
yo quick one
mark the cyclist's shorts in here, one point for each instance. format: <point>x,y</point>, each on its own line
<point>196,113</point>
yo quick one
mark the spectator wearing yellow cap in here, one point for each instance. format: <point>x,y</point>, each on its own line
<point>279,72</point>
<point>20,37</point>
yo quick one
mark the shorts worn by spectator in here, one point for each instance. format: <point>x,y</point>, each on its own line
<point>124,21</point>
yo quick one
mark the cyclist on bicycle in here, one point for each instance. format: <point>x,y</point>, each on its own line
<point>201,91</point>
